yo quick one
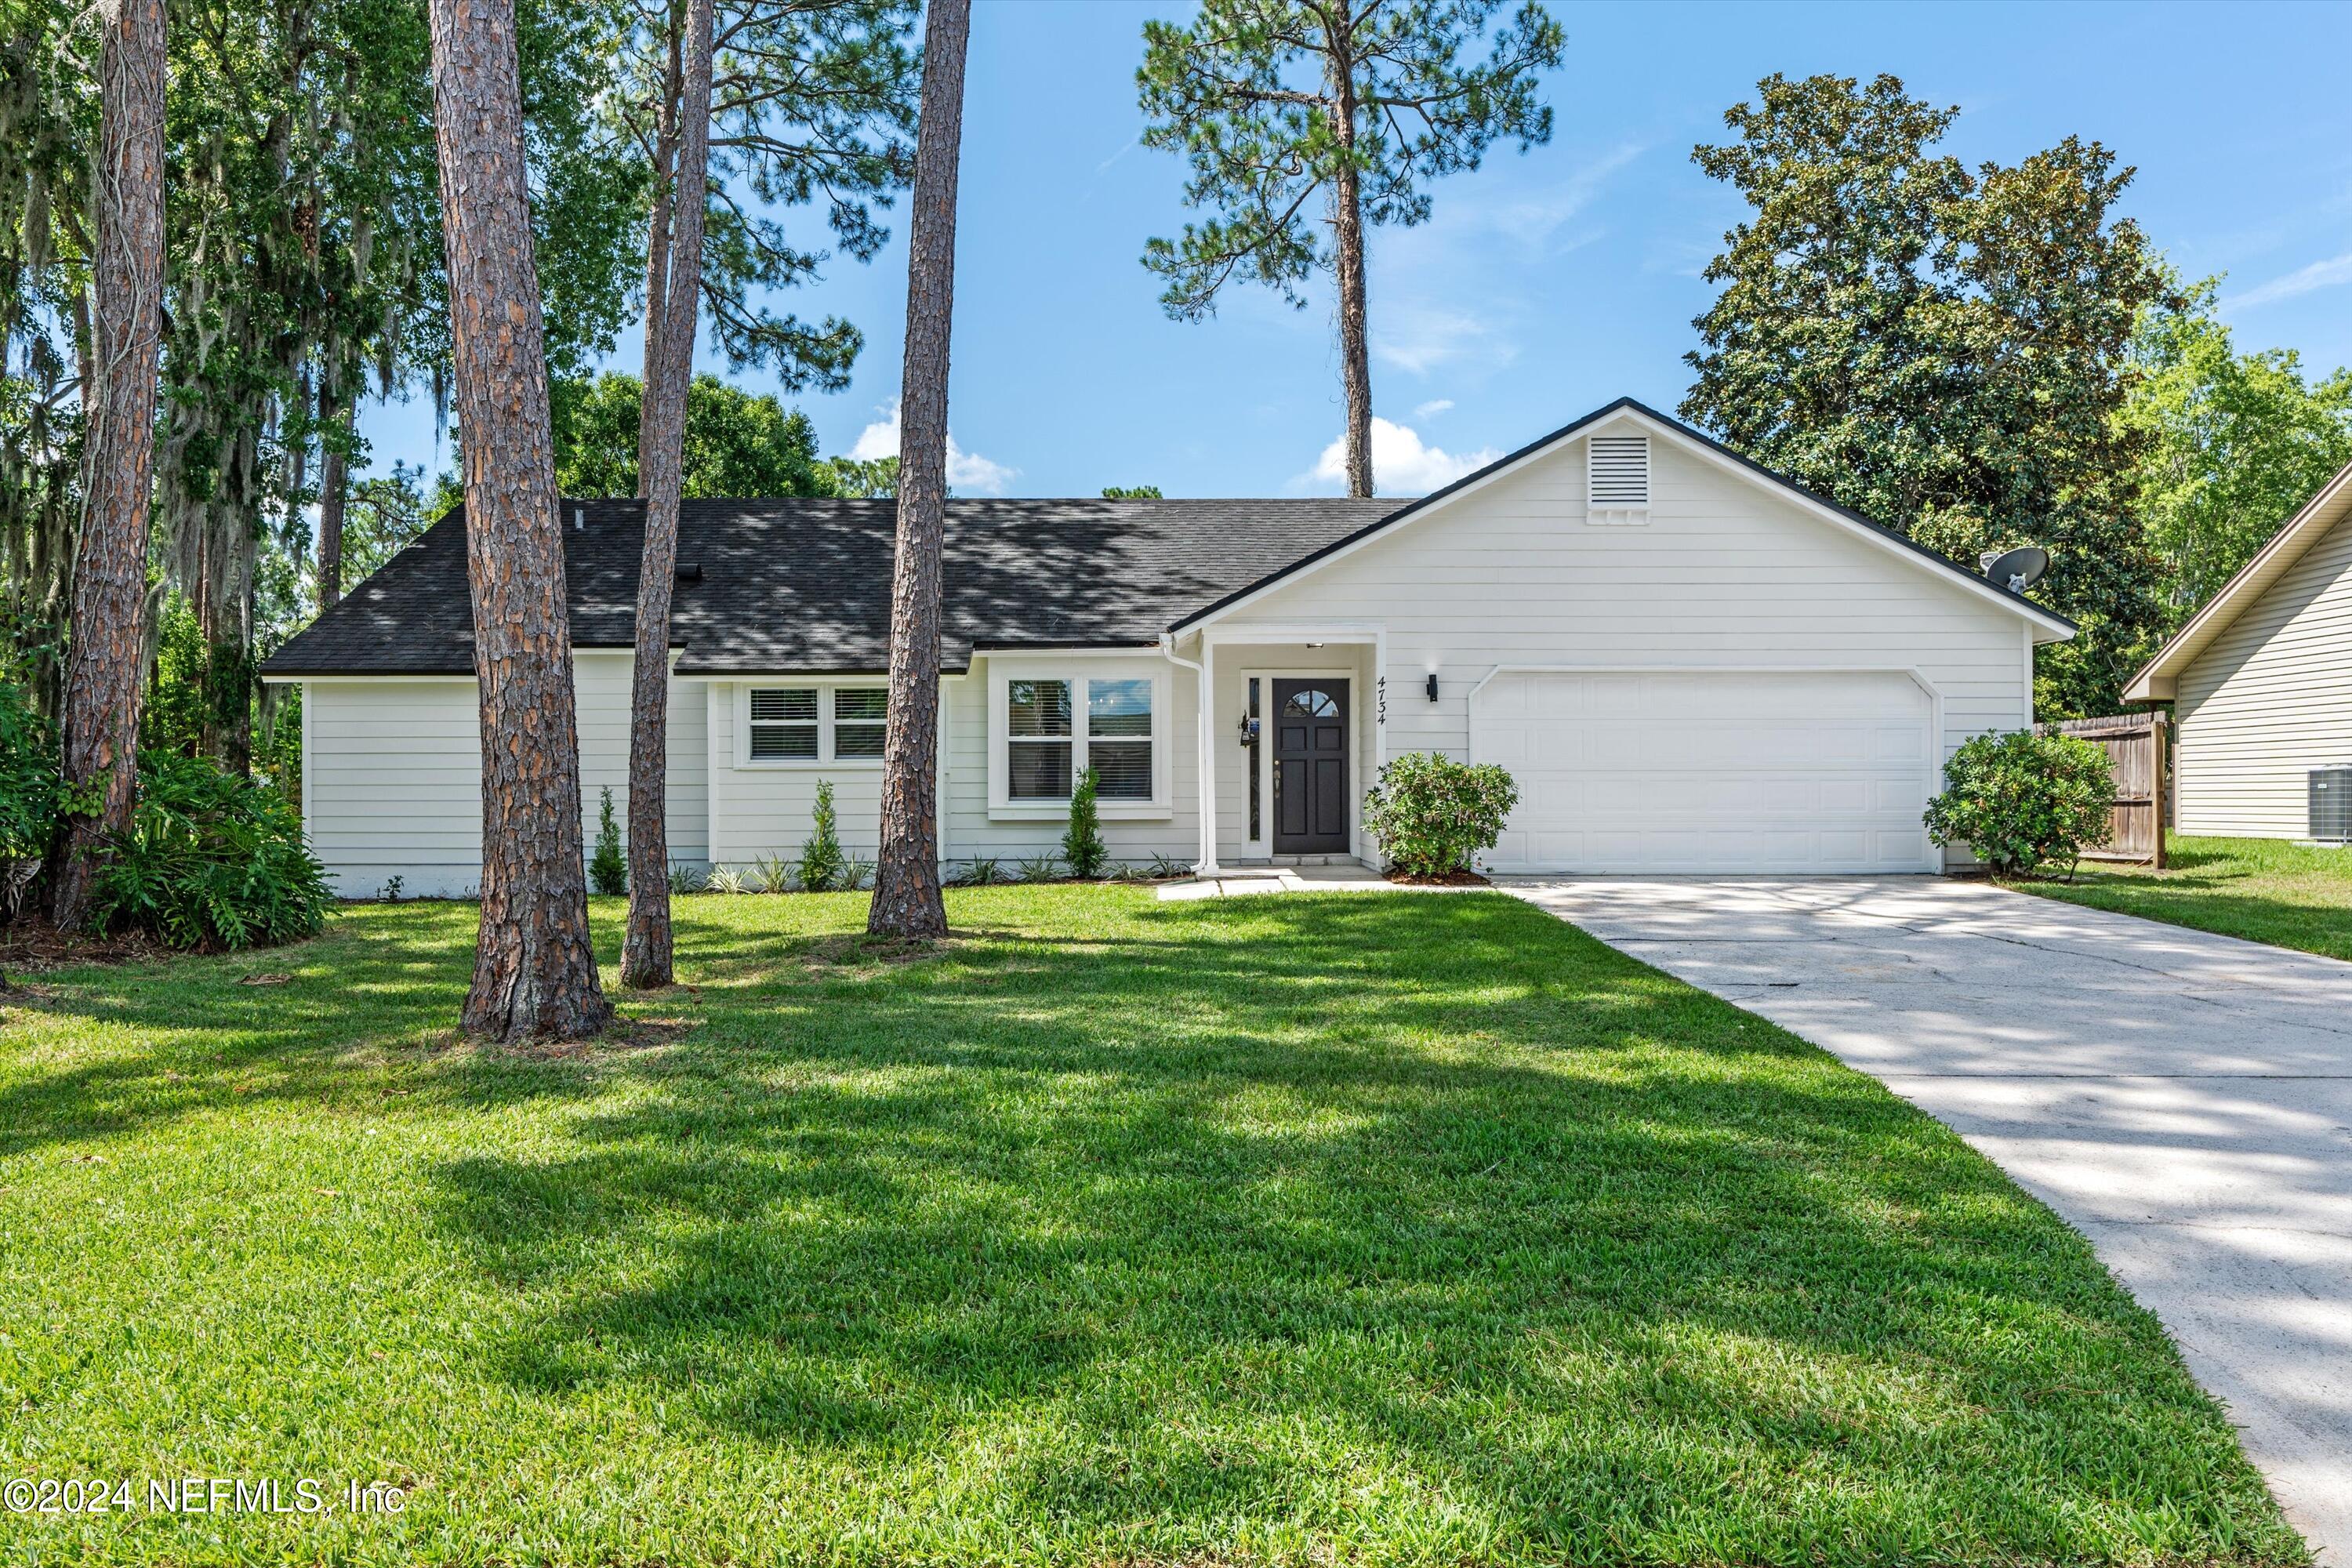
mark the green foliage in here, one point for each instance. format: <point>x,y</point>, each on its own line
<point>1131,492</point>
<point>1941,349</point>
<point>2023,801</point>
<point>608,868</point>
<point>2231,444</point>
<point>1040,868</point>
<point>1244,92</point>
<point>1432,816</point>
<point>31,797</point>
<point>737,444</point>
<point>822,864</point>
<point>1082,842</point>
<point>870,478</point>
<point>211,860</point>
<point>812,103</point>
<point>773,872</point>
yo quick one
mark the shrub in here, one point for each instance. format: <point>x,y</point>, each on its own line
<point>1040,868</point>
<point>1082,844</point>
<point>2023,801</point>
<point>212,859</point>
<point>822,864</point>
<point>32,797</point>
<point>608,869</point>
<point>1432,816</point>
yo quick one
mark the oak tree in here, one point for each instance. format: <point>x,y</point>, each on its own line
<point>2235,444</point>
<point>906,898</point>
<point>534,972</point>
<point>1276,104</point>
<point>1941,349</point>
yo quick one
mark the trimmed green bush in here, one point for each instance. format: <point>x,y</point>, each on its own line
<point>2023,801</point>
<point>823,865</point>
<point>1432,815</point>
<point>608,869</point>
<point>212,859</point>
<point>1083,849</point>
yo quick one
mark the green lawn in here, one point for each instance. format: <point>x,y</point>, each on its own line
<point>2264,890</point>
<point>1301,1230</point>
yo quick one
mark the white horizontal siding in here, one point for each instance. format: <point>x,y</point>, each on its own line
<point>1725,574</point>
<point>2268,701</point>
<point>392,776</point>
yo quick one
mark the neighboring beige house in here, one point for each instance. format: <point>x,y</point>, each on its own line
<point>1687,663</point>
<point>2260,681</point>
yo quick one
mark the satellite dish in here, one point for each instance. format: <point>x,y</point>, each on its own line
<point>2018,570</point>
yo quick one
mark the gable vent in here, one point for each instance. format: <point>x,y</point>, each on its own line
<point>1617,473</point>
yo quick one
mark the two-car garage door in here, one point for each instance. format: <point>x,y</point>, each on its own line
<point>1717,772</point>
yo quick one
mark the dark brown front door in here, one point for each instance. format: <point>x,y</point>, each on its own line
<point>1310,767</point>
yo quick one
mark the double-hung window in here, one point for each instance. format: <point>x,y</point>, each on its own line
<point>1040,751</point>
<point>1055,728</point>
<point>815,723</point>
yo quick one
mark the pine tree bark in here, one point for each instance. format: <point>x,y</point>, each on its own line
<point>658,237</point>
<point>534,972</point>
<point>333,476</point>
<point>101,677</point>
<point>645,951</point>
<point>907,900</point>
<point>1348,247</point>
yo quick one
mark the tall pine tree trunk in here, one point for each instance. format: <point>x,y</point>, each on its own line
<point>1348,247</point>
<point>333,476</point>
<point>101,679</point>
<point>534,974</point>
<point>658,235</point>
<point>907,902</point>
<point>669,370</point>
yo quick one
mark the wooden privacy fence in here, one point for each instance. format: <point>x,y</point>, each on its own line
<point>2135,744</point>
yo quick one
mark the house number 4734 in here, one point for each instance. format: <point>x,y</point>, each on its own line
<point>1381,690</point>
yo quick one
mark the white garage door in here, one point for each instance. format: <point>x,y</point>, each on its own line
<point>1714,771</point>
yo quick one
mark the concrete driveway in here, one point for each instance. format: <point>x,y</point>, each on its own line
<point>2185,1101</point>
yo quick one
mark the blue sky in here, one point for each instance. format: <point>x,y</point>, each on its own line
<point>1546,283</point>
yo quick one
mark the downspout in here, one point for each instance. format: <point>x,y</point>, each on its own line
<point>1207,864</point>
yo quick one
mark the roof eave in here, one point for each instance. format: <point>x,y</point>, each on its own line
<point>2158,680</point>
<point>2060,627</point>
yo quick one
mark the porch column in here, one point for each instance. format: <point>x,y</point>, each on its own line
<point>1207,705</point>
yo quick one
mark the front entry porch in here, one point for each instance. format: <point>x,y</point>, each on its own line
<point>1291,739</point>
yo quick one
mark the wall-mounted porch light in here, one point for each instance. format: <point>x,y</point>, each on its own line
<point>1432,685</point>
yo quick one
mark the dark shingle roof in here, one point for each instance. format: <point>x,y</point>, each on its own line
<point>805,585</point>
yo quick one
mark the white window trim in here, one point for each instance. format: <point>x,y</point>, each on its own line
<point>825,686</point>
<point>1002,672</point>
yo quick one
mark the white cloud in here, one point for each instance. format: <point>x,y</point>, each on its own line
<point>1402,464</point>
<point>1433,408</point>
<point>1417,338</point>
<point>1532,217</point>
<point>967,471</point>
<point>2325,274</point>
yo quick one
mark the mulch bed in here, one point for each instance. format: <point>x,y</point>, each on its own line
<point>1457,879</point>
<point>29,945</point>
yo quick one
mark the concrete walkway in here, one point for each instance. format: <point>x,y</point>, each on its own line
<point>2183,1100</point>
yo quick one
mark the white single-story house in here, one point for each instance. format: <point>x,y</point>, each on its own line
<point>2261,681</point>
<point>1687,663</point>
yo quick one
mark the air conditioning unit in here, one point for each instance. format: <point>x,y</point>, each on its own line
<point>2331,804</point>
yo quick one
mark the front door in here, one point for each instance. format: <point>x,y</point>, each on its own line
<point>1310,767</point>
